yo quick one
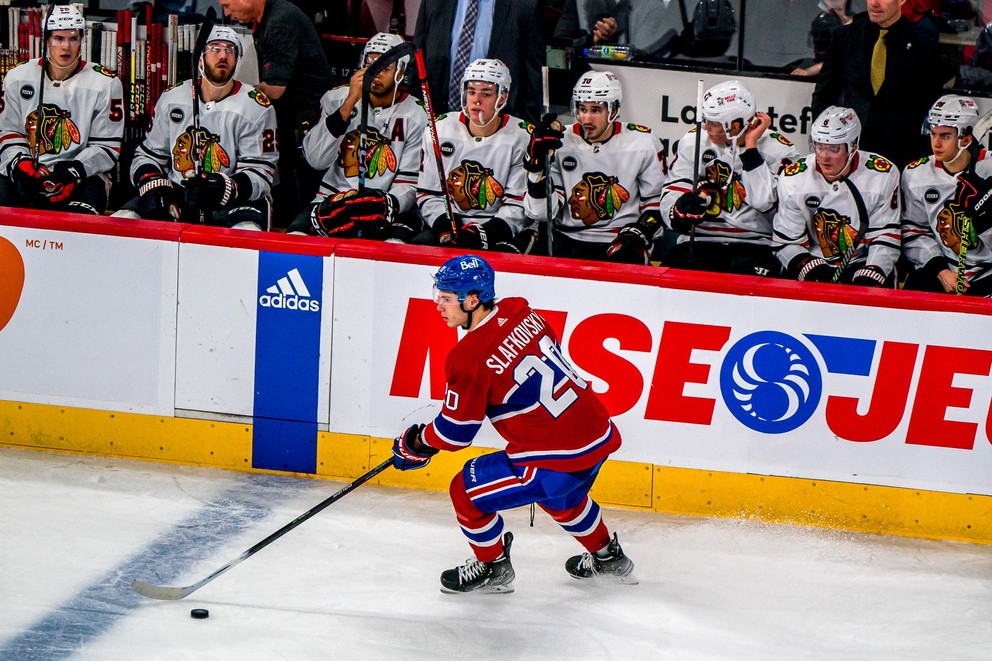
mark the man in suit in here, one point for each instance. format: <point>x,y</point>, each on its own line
<point>891,88</point>
<point>507,30</point>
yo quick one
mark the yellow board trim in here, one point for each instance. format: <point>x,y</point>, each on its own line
<point>795,501</point>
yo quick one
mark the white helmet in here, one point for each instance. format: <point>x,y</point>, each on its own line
<point>960,112</point>
<point>599,87</point>
<point>65,17</point>
<point>382,42</point>
<point>488,71</point>
<point>225,33</point>
<point>729,102</point>
<point>837,126</point>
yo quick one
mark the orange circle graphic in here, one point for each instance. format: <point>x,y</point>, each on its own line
<point>11,280</point>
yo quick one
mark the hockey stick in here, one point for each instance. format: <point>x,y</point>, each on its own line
<point>980,130</point>
<point>859,202</point>
<point>201,43</point>
<point>152,591</point>
<point>381,64</point>
<point>432,127</point>
<point>549,185</point>
<point>36,156</point>
<point>696,156</point>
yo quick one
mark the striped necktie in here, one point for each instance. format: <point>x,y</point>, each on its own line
<point>878,62</point>
<point>464,50</point>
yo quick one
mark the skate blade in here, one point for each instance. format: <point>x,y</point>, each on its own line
<point>629,579</point>
<point>488,589</point>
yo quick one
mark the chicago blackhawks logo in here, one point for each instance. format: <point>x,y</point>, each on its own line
<point>259,98</point>
<point>58,132</point>
<point>795,168</point>
<point>597,197</point>
<point>917,163</point>
<point>379,155</point>
<point>105,71</point>
<point>955,228</point>
<point>833,232</point>
<point>730,195</point>
<point>638,128</point>
<point>472,186</point>
<point>878,164</point>
<point>198,146</point>
<point>781,138</point>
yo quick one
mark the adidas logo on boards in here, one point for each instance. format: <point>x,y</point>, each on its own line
<point>289,293</point>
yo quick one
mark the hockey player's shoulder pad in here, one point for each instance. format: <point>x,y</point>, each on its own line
<point>878,163</point>
<point>527,126</point>
<point>440,117</point>
<point>258,96</point>
<point>99,68</point>
<point>795,167</point>
<point>172,87</point>
<point>918,162</point>
<point>781,138</point>
<point>638,127</point>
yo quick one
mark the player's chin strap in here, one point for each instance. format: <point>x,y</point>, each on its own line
<point>468,324</point>
<point>60,68</point>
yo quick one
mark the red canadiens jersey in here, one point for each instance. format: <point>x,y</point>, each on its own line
<point>510,369</point>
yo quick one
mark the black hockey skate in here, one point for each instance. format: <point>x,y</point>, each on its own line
<point>609,563</point>
<point>482,577</point>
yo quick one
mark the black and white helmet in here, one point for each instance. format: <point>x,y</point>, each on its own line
<point>729,102</point>
<point>225,33</point>
<point>953,110</point>
<point>598,87</point>
<point>381,43</point>
<point>837,126</point>
<point>65,17</point>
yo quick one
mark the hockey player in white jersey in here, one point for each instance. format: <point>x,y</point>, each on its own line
<point>726,224</point>
<point>482,150</point>
<point>213,161</point>
<point>838,213</point>
<point>383,204</point>
<point>609,174</point>
<point>59,155</point>
<point>946,226</point>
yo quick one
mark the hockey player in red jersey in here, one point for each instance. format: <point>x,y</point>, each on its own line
<point>59,143</point>
<point>509,367</point>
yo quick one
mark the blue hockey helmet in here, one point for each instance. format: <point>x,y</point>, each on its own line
<point>466,275</point>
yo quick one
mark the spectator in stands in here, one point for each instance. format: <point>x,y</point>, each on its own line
<point>514,36</point>
<point>598,22</point>
<point>835,14</point>
<point>59,143</point>
<point>212,163</point>
<point>294,74</point>
<point>889,70</point>
<point>372,193</point>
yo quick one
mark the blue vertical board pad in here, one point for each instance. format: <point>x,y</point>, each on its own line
<point>287,362</point>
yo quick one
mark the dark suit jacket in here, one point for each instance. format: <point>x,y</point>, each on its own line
<point>914,76</point>
<point>517,40</point>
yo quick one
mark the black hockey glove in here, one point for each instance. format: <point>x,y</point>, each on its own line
<point>807,268</point>
<point>974,196</point>
<point>688,211</point>
<point>212,191</point>
<point>158,197</point>
<point>441,229</point>
<point>60,183</point>
<point>406,226</point>
<point>634,241</point>
<point>484,236</point>
<point>27,178</point>
<point>544,140</point>
<point>409,451</point>
<point>868,276</point>
<point>355,215</point>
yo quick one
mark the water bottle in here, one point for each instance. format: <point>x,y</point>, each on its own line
<point>607,52</point>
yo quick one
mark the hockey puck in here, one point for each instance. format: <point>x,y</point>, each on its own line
<point>199,613</point>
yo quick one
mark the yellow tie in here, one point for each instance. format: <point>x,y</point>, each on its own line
<point>878,62</point>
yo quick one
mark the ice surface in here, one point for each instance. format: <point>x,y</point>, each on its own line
<point>360,580</point>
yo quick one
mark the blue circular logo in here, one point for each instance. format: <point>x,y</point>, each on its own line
<point>771,382</point>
